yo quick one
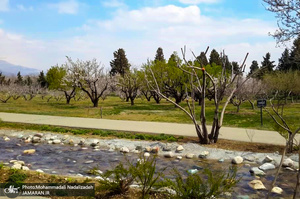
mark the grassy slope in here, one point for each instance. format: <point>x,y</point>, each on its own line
<point>115,108</point>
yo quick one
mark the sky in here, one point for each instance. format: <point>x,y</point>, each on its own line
<point>40,34</point>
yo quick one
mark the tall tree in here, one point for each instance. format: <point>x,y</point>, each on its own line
<point>42,80</point>
<point>284,62</point>
<point>215,58</point>
<point>19,79</point>
<point>288,18</point>
<point>159,55</point>
<point>120,64</point>
<point>203,59</point>
<point>254,66</point>
<point>267,64</point>
<point>295,54</point>
<point>28,81</point>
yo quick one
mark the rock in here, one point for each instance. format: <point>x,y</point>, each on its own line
<point>178,157</point>
<point>169,155</point>
<point>167,190</point>
<point>56,141</point>
<point>256,184</point>
<point>148,149</point>
<point>257,171</point>
<point>18,145</point>
<point>249,158</point>
<point>277,190</point>
<point>190,156</point>
<point>179,149</point>
<point>27,140</point>
<point>79,175</point>
<point>93,144</point>
<point>25,168</point>
<point>6,139</point>
<point>243,197</point>
<point>16,166</point>
<point>247,165</point>
<point>167,148</point>
<point>237,160</point>
<point>83,148</point>
<point>221,160</point>
<point>268,159</point>
<point>197,167</point>
<point>38,135</point>
<point>81,142</point>
<point>29,151</point>
<point>267,166</point>
<point>192,171</point>
<point>71,142</point>
<point>20,162</point>
<point>39,170</point>
<point>203,154</point>
<point>99,178</point>
<point>155,149</point>
<point>139,148</point>
<point>146,154</point>
<point>124,150</point>
<point>36,139</point>
<point>289,169</point>
<point>288,163</point>
<point>89,162</point>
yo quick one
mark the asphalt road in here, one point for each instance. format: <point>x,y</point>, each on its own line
<point>229,133</point>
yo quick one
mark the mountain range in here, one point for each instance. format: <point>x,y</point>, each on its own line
<point>9,69</point>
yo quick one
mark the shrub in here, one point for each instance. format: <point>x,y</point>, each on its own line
<point>16,176</point>
<point>201,187</point>
<point>116,181</point>
<point>146,174</point>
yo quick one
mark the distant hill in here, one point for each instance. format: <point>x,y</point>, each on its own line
<point>11,69</point>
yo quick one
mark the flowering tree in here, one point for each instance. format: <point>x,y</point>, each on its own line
<point>90,78</point>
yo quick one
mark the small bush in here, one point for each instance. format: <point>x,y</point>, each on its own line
<point>146,174</point>
<point>116,181</point>
<point>1,165</point>
<point>208,186</point>
<point>16,176</point>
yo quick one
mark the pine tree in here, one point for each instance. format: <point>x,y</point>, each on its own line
<point>19,79</point>
<point>119,65</point>
<point>295,55</point>
<point>28,81</point>
<point>215,58</point>
<point>203,59</point>
<point>284,63</point>
<point>159,55</point>
<point>267,63</point>
<point>42,80</point>
<point>254,67</point>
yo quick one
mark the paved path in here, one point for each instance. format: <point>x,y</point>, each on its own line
<point>239,134</point>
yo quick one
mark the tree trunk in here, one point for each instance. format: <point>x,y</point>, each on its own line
<point>95,102</point>
<point>252,104</point>
<point>238,108</point>
<point>132,101</point>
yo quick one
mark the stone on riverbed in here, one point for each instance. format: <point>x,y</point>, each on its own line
<point>39,170</point>
<point>257,171</point>
<point>178,157</point>
<point>56,141</point>
<point>267,166</point>
<point>203,154</point>
<point>16,166</point>
<point>288,163</point>
<point>6,139</point>
<point>169,155</point>
<point>89,162</point>
<point>29,151</point>
<point>267,159</point>
<point>237,160</point>
<point>277,190</point>
<point>179,149</point>
<point>124,150</point>
<point>256,184</point>
<point>146,154</point>
<point>190,156</point>
<point>36,139</point>
<point>25,168</point>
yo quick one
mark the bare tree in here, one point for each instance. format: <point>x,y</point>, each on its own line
<point>218,87</point>
<point>130,85</point>
<point>90,78</point>
<point>288,18</point>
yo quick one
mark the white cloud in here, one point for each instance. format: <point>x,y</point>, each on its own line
<point>113,3</point>
<point>4,5</point>
<point>141,32</point>
<point>66,7</point>
<point>194,2</point>
<point>23,8</point>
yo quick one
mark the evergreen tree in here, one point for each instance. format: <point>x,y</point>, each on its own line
<point>159,55</point>
<point>2,79</point>
<point>215,58</point>
<point>19,79</point>
<point>284,63</point>
<point>119,65</point>
<point>267,63</point>
<point>295,55</point>
<point>228,64</point>
<point>42,80</point>
<point>28,81</point>
<point>254,66</point>
<point>203,59</point>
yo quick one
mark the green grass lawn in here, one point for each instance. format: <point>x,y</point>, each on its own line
<point>115,108</point>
